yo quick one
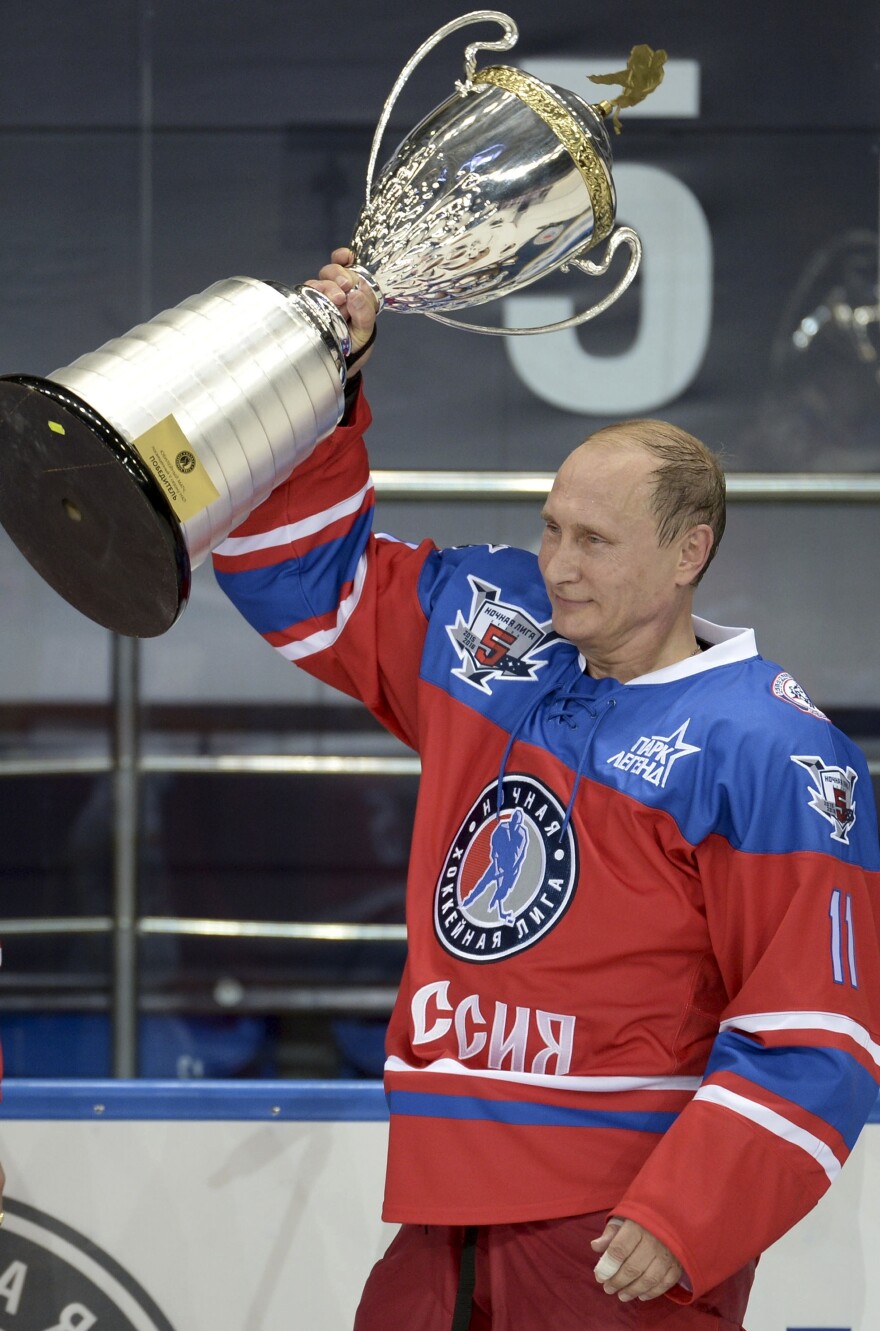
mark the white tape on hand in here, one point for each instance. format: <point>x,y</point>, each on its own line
<point>607,1266</point>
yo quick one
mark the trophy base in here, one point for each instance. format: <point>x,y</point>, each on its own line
<point>83,509</point>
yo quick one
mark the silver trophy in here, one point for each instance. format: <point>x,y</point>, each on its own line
<point>121,472</point>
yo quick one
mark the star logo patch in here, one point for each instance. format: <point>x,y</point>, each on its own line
<point>652,756</point>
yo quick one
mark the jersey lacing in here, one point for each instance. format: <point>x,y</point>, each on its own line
<point>563,708</point>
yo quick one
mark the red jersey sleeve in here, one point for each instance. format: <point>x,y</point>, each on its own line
<point>793,1072</point>
<point>307,572</point>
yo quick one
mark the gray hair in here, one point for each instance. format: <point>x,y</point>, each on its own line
<point>689,485</point>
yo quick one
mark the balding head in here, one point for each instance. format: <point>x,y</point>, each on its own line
<point>687,482</point>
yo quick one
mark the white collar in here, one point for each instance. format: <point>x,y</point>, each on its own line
<point>726,645</point>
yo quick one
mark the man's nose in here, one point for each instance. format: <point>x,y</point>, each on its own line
<point>561,566</point>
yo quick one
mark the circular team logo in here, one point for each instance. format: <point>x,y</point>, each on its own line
<point>51,1276</point>
<point>508,877</point>
<point>788,689</point>
<point>185,461</point>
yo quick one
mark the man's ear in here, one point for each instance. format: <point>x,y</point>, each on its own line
<point>694,549</point>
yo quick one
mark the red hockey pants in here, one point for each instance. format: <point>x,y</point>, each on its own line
<point>536,1276</point>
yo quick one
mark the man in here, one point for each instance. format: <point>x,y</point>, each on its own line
<point>644,1057</point>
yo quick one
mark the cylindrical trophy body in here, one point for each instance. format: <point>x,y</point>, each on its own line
<point>493,189</point>
<point>120,472</point>
<point>248,375</point>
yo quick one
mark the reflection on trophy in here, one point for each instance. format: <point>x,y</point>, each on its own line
<point>121,472</point>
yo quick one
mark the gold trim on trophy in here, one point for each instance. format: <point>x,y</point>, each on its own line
<point>563,124</point>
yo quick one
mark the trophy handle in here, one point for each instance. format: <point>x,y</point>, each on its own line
<point>623,235</point>
<point>504,43</point>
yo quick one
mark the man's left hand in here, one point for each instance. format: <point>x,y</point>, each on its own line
<point>634,1265</point>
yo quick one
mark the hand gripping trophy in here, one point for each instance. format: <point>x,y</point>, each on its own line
<point>121,472</point>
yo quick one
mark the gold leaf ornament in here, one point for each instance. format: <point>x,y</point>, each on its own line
<point>643,73</point>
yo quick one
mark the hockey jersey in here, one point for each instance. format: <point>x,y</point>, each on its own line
<point>642,965</point>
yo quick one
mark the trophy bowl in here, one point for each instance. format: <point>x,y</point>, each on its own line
<point>490,192</point>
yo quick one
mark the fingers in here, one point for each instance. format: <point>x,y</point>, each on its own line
<point>340,275</point>
<point>338,272</point>
<point>347,292</point>
<point>352,298</point>
<point>634,1264</point>
<point>355,303</point>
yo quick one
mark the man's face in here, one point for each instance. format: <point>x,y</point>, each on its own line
<point>612,586</point>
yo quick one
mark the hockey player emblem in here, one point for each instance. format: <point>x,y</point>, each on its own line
<point>508,843</point>
<point>497,640</point>
<point>832,796</point>
<point>509,874</point>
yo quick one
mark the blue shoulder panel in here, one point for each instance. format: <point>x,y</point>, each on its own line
<point>719,751</point>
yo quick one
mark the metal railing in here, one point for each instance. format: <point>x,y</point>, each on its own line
<point>127,765</point>
<point>751,487</point>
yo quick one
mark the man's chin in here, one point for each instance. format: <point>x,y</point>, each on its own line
<point>573,622</point>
